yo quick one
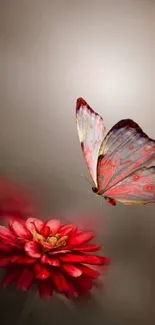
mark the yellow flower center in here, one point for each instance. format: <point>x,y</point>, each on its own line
<point>51,241</point>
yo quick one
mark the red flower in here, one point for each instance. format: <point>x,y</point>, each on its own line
<point>51,255</point>
<point>15,203</point>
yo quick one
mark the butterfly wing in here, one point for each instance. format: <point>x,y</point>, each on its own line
<point>125,151</point>
<point>138,188</point>
<point>91,132</point>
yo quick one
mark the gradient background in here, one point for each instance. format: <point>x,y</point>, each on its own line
<point>52,52</point>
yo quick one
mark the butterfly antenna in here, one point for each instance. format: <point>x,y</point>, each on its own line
<point>87,179</point>
<point>101,200</point>
<point>102,203</point>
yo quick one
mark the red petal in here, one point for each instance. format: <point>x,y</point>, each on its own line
<point>73,258</point>
<point>88,248</point>
<point>96,260</point>
<point>81,238</point>
<point>85,258</point>
<point>51,261</point>
<point>34,224</point>
<point>45,288</point>
<point>67,229</point>
<point>25,280</point>
<point>60,282</point>
<point>20,230</point>
<point>54,226</point>
<point>5,261</point>
<point>71,270</point>
<point>89,271</point>
<point>32,249</point>
<point>45,231</point>
<point>41,272</point>
<point>72,292</point>
<point>83,284</point>
<point>6,235</point>
<point>5,248</point>
<point>59,251</point>
<point>10,276</point>
<point>25,260</point>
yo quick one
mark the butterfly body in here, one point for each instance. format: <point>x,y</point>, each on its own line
<point>121,163</point>
<point>108,199</point>
<point>95,190</point>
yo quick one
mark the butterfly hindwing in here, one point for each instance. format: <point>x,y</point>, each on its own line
<point>125,150</point>
<point>138,188</point>
<point>91,132</point>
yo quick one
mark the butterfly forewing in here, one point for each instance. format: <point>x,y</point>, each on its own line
<point>91,132</point>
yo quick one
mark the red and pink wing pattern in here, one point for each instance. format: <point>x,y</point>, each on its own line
<point>126,151</point>
<point>91,132</point>
<point>138,188</point>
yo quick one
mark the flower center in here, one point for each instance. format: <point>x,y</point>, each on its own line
<point>50,242</point>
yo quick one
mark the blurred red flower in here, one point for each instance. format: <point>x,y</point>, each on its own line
<point>15,203</point>
<point>52,255</point>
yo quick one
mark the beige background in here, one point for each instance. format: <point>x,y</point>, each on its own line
<point>52,52</point>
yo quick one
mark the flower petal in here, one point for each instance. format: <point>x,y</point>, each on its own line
<point>72,292</point>
<point>5,261</point>
<point>34,224</point>
<point>25,260</point>
<point>59,251</point>
<point>72,270</point>
<point>6,235</point>
<point>20,230</point>
<point>45,231</point>
<point>93,274</point>
<point>83,284</point>
<point>25,280</point>
<point>80,238</point>
<point>41,271</point>
<point>96,260</point>
<point>85,258</point>
<point>45,288</point>
<point>72,258</point>
<point>51,261</point>
<point>5,248</point>
<point>32,249</point>
<point>67,229</point>
<point>87,248</point>
<point>54,225</point>
<point>10,275</point>
<point>60,281</point>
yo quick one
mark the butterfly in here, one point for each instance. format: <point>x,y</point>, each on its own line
<point>121,163</point>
